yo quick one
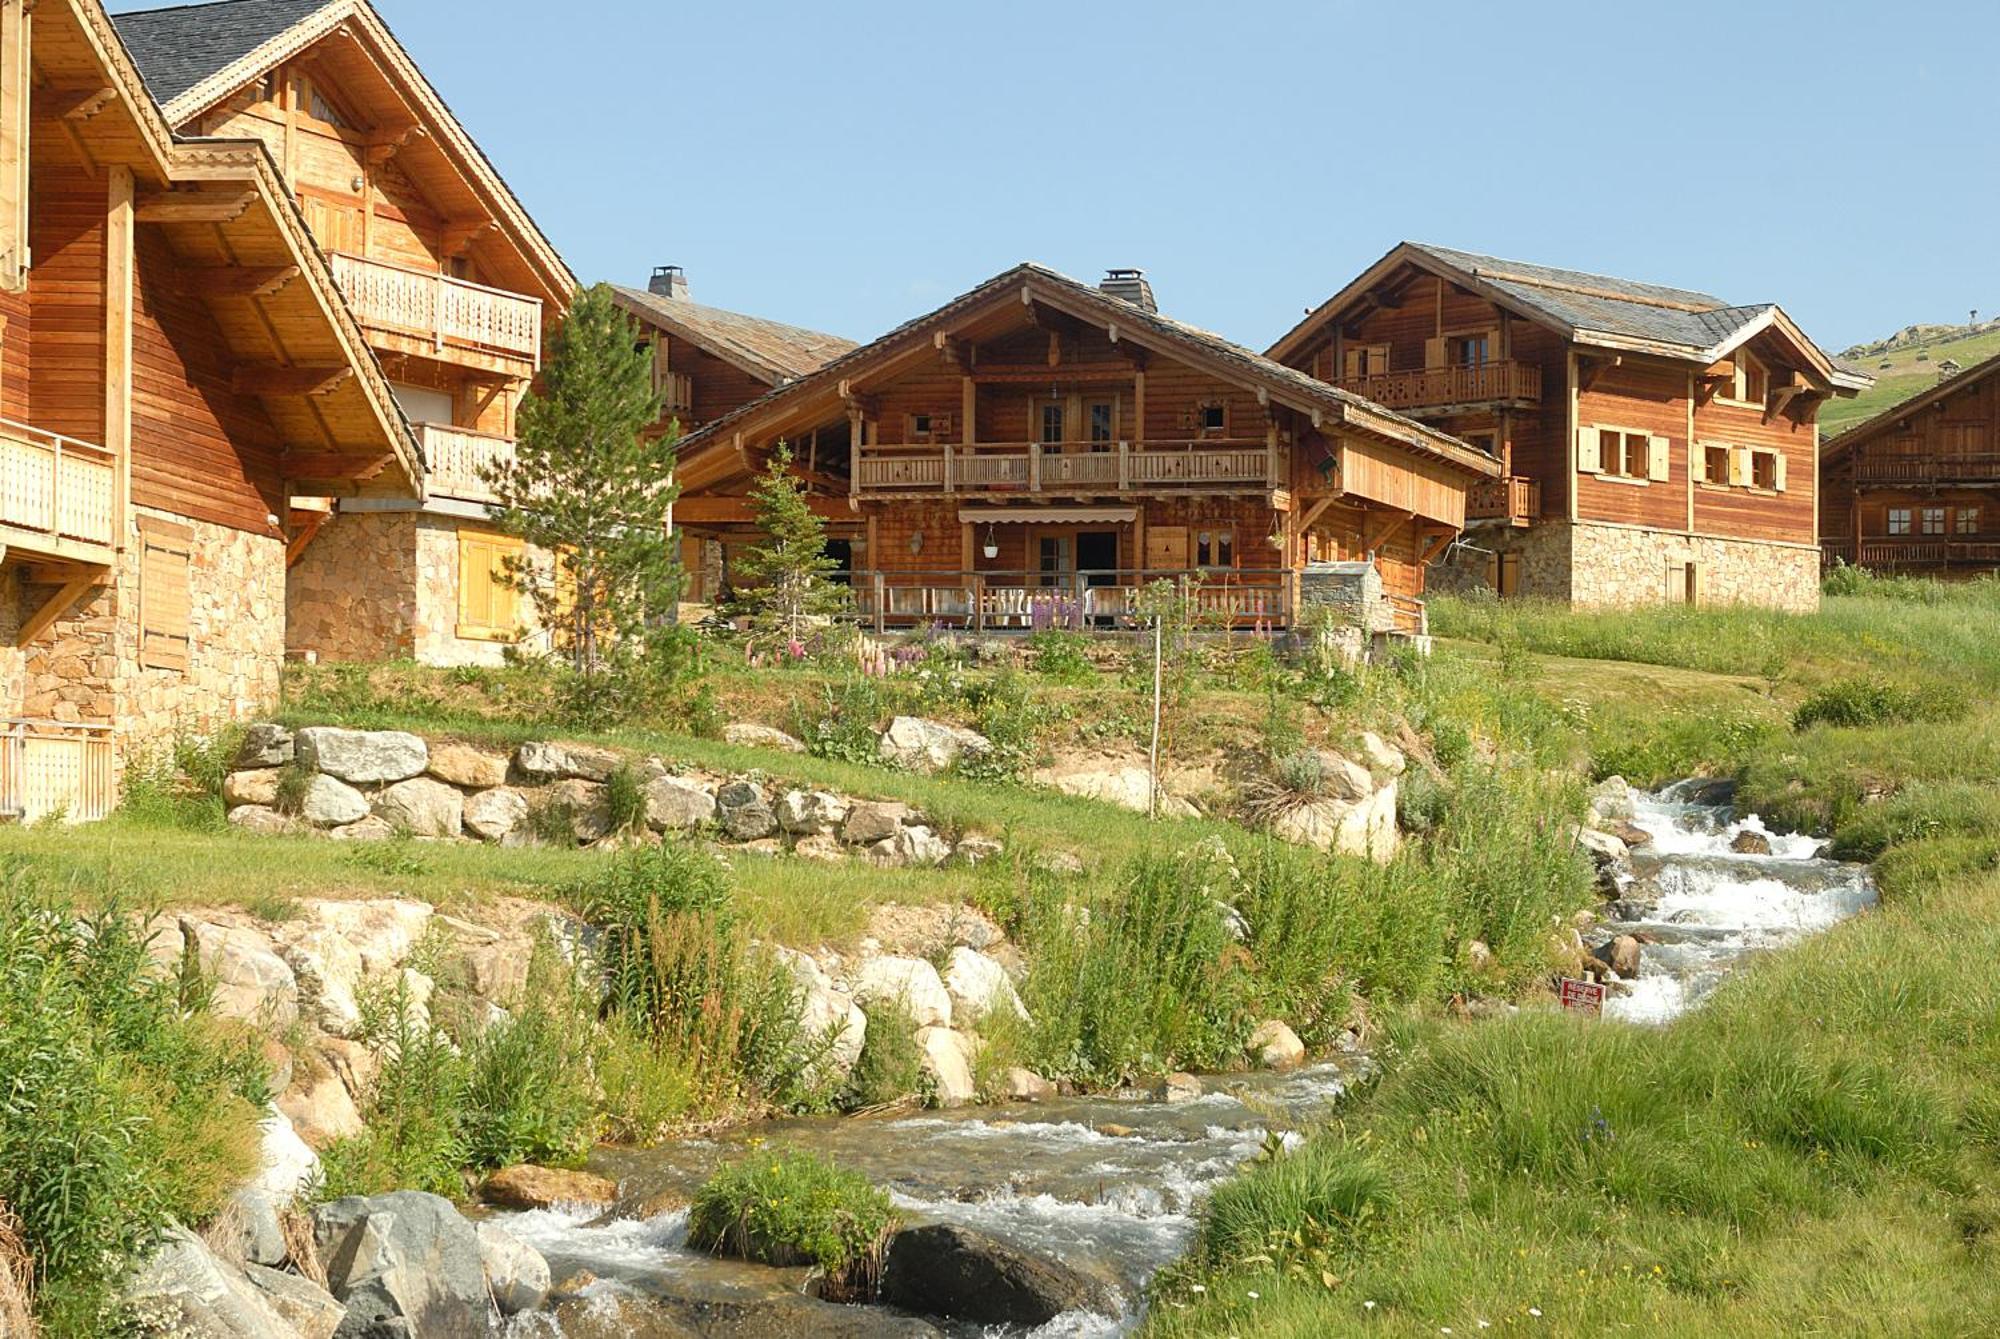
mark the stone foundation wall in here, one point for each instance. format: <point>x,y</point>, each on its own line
<point>353,594</point>
<point>434,636</point>
<point>1542,553</point>
<point>1619,567</point>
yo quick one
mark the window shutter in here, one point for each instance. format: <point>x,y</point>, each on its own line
<point>166,641</point>
<point>1351,363</point>
<point>475,583</point>
<point>1166,548</point>
<point>1698,462</point>
<point>1434,355</point>
<point>1778,472</point>
<point>1589,450</point>
<point>1493,346</point>
<point>1659,459</point>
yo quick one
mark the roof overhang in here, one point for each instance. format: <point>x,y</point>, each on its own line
<point>1916,404</point>
<point>742,359</point>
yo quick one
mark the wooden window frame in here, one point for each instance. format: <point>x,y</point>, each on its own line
<point>1487,335</point>
<point>1965,521</point>
<point>502,547</point>
<point>1208,545</point>
<point>166,595</point>
<point>1706,454</point>
<point>1201,418</point>
<point>1657,461</point>
<point>1367,354</point>
<point>1747,365</point>
<point>1907,517</point>
<point>921,427</point>
<point>1925,517</point>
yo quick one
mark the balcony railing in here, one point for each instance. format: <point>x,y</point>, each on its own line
<point>449,313</point>
<point>1064,467</point>
<point>1434,387</point>
<point>57,487</point>
<point>677,392</point>
<point>1516,501</point>
<point>50,769</point>
<point>1975,469</point>
<point>1881,554</point>
<point>456,460</point>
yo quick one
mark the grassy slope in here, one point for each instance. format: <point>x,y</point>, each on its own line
<point>1814,1152</point>
<point>1904,376</point>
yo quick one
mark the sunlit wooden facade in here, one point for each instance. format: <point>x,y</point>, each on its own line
<point>1041,449</point>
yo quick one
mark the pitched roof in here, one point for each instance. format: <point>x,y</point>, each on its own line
<point>178,48</point>
<point>1286,384</point>
<point>771,351</point>
<point>1902,409</point>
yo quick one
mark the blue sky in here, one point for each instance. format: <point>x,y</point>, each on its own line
<point>850,166</point>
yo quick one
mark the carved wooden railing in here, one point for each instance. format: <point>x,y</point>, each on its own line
<point>1035,467</point>
<point>1511,499</point>
<point>1504,379</point>
<point>456,460</point>
<point>677,392</point>
<point>450,313</point>
<point>57,486</point>
<point>1927,469</point>
<point>1225,598</point>
<point>54,768</point>
<point>1893,553</point>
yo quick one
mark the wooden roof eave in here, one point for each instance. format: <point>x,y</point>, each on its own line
<point>739,358</point>
<point>1916,404</point>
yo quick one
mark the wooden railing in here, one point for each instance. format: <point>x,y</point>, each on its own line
<point>52,769</point>
<point>1518,501</point>
<point>56,486</point>
<point>1894,553</point>
<point>1433,386</point>
<point>1927,469</point>
<point>450,313</point>
<point>1226,598</point>
<point>455,460</point>
<point>1067,467</point>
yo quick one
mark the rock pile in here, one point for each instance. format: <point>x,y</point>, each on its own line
<point>1356,812</point>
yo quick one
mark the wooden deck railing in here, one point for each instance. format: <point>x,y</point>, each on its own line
<point>450,313</point>
<point>1035,467</point>
<point>1895,553</point>
<point>455,460</point>
<point>51,768</point>
<point>677,394</point>
<point>1228,598</point>
<point>1927,469</point>
<point>56,486</point>
<point>1504,379</point>
<point>1518,501</point>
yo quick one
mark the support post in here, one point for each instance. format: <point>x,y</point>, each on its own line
<point>1153,753</point>
<point>119,217</point>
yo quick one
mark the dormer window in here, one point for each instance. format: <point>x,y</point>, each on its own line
<point>1215,417</point>
<point>1753,380</point>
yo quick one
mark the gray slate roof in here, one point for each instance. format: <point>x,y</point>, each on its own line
<point>177,48</point>
<point>1552,292</point>
<point>771,350</point>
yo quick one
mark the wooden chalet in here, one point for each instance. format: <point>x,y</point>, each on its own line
<point>1917,488</point>
<point>1039,450</point>
<point>1657,444</point>
<point>448,277</point>
<point>175,360</point>
<point>708,362</point>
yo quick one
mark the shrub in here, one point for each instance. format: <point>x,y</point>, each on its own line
<point>528,1090</point>
<point>1862,702</point>
<point>625,799</point>
<point>1061,656</point>
<point>795,1207</point>
<point>1298,1208</point>
<point>891,1065</point>
<point>847,724</point>
<point>415,1137</point>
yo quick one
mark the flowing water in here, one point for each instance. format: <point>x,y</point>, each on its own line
<point>1067,1180</point>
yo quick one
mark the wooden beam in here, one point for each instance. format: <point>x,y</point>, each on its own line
<point>295,548</point>
<point>726,510</point>
<point>332,465</point>
<point>1439,542</point>
<point>120,271</point>
<point>58,604</point>
<point>234,281</point>
<point>1315,511</point>
<point>195,206</point>
<point>74,104</point>
<point>1780,400</point>
<point>273,379</point>
<point>1391,521</point>
<point>1590,368</point>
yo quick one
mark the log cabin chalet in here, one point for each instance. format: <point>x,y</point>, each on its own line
<point>1917,488</point>
<point>447,275</point>
<point>175,359</point>
<point>1658,445</point>
<point>1040,449</point>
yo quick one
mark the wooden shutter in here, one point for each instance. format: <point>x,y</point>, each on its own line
<point>1778,471</point>
<point>1589,450</point>
<point>1740,466</point>
<point>1493,346</point>
<point>166,557</point>
<point>487,602</point>
<point>1166,548</point>
<point>1434,354</point>
<point>1353,360</point>
<point>1659,459</point>
<point>1698,462</point>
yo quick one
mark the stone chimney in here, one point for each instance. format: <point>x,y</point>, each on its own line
<point>1130,286</point>
<point>669,281</point>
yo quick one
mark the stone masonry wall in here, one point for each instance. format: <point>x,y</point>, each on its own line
<point>1542,551</point>
<point>1617,567</point>
<point>435,635</point>
<point>353,594</point>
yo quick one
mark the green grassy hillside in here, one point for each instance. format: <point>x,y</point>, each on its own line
<point>1903,372</point>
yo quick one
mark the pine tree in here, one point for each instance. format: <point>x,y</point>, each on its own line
<point>785,579</point>
<point>592,494</point>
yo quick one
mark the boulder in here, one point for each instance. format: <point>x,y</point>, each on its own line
<point>744,812</point>
<point>383,931</point>
<point>486,964</point>
<point>1622,956</point>
<point>308,1308</point>
<point>1344,779</point>
<point>261,821</point>
<point>828,1017</point>
<point>370,829</point>
<point>423,807</point>
<point>951,1271</point>
<point>1613,802</point>
<point>979,986</point>
<point>1631,834</point>
<point>529,1187</point>
<point>1129,786</point>
<point>321,1110</point>
<point>286,1164</point>
<point>250,980</point>
<point>516,1274</point>
<point>586,805</point>
<point>1365,828</point>
<point>328,968</point>
<point>927,746</point>
<point>258,787</point>
<point>250,1230</point>
<point>494,815</point>
<point>910,846</point>
<point>265,746</point>
<point>1604,849</point>
<point>565,762</point>
<point>363,757</point>
<point>1024,1085</point>
<point>1177,1088</point>
<point>977,849</point>
<point>404,1257</point>
<point>823,850</point>
<point>467,766</point>
<point>183,1289</point>
<point>1379,755</point>
<point>811,813</point>
<point>748,736</point>
<point>331,803</point>
<point>908,983</point>
<point>871,821</point>
<point>1748,842</point>
<point>947,1059</point>
<point>675,804</point>
<point>1275,1046</point>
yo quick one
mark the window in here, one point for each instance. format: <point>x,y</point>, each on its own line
<point>1753,382</point>
<point>1933,520</point>
<point>488,603</point>
<point>1899,520</point>
<point>1968,520</point>
<point>1468,350</point>
<point>1623,453</point>
<point>920,427</point>
<point>1215,548</point>
<point>166,639</point>
<point>1764,470</point>
<point>1366,360</point>
<point>1214,417</point>
<point>1052,423</point>
<point>1103,421</point>
<point>1488,441</point>
<point>1715,464</point>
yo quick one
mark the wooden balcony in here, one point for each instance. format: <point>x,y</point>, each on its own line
<point>1503,383</point>
<point>1224,599</point>
<point>1926,471</point>
<point>57,495</point>
<point>456,461</point>
<point>677,396</point>
<point>1065,468</point>
<point>1931,552</point>
<point>1515,501</point>
<point>51,769</point>
<point>442,316</point>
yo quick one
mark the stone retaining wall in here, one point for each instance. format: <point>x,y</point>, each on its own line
<point>1619,567</point>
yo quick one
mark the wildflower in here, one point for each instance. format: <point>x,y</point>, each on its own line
<point>1534,1311</point>
<point>1253,1295</point>
<point>1198,1288</point>
<point>1368,1306</point>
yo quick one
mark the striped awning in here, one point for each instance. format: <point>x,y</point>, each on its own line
<point>1048,515</point>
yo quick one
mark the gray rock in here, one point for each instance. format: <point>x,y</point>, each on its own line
<point>261,821</point>
<point>954,1272</point>
<point>927,746</point>
<point>253,787</point>
<point>979,986</point>
<point>423,807</point>
<point>307,1307</point>
<point>915,846</point>
<point>744,812</point>
<point>1024,1085</point>
<point>870,821</point>
<point>565,762</point>
<point>909,983</point>
<point>676,804</point>
<point>404,1257</point>
<point>364,757</point>
<point>811,813</point>
<point>1177,1088</point>
<point>516,1273</point>
<point>250,980</point>
<point>977,849</point>
<point>1603,848</point>
<point>1275,1046</point>
<point>249,1229</point>
<point>369,829</point>
<point>331,803</point>
<point>1613,801</point>
<point>947,1061</point>
<point>744,735</point>
<point>1344,779</point>
<point>587,805</point>
<point>824,850</point>
<point>1379,754</point>
<point>492,815</point>
<point>184,1289</point>
<point>265,746</point>
<point>831,1025</point>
